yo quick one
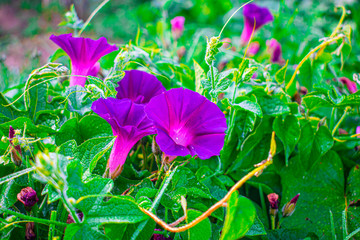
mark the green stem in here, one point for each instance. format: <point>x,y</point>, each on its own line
<point>161,171</point>
<point>52,227</point>
<point>332,119</point>
<point>340,121</point>
<point>212,80</point>
<point>272,222</point>
<point>33,219</point>
<point>69,207</point>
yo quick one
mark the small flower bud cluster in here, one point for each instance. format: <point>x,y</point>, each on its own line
<point>212,49</point>
<point>48,169</point>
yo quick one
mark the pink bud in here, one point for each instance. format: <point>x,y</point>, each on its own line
<point>351,86</point>
<point>177,26</point>
<point>274,49</point>
<point>253,49</point>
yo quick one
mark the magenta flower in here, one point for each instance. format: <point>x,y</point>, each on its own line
<point>261,15</point>
<point>187,123</point>
<point>139,86</point>
<point>177,26</point>
<point>94,71</point>
<point>253,49</point>
<point>351,86</point>
<point>274,49</point>
<point>83,53</point>
<point>129,124</point>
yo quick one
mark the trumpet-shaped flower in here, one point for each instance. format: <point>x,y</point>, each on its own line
<point>177,26</point>
<point>187,123</point>
<point>83,53</point>
<point>253,14</point>
<point>274,49</point>
<point>139,86</point>
<point>129,124</point>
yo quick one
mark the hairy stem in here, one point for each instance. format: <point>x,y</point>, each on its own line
<point>211,209</point>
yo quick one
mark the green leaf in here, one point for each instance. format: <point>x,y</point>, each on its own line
<point>289,133</point>
<point>199,77</point>
<point>201,231</point>
<point>8,112</point>
<point>83,231</point>
<point>240,212</point>
<point>322,143</point>
<point>118,209</point>
<point>257,228</point>
<point>115,231</point>
<point>280,75</point>
<point>79,130</point>
<point>90,152</point>
<point>8,194</point>
<point>78,99</point>
<point>250,106</point>
<point>21,122</point>
<point>184,177</point>
<point>321,189</point>
<point>77,188</point>
<point>273,106</point>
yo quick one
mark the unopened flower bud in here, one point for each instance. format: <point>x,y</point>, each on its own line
<point>155,148</point>
<point>30,234</point>
<point>16,154</point>
<point>274,203</point>
<point>289,208</point>
<point>4,139</point>
<point>28,197</point>
<point>181,52</point>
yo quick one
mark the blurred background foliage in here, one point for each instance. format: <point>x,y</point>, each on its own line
<point>25,26</point>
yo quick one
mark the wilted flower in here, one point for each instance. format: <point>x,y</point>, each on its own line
<point>261,15</point>
<point>351,86</point>
<point>289,208</point>
<point>28,197</point>
<point>177,26</point>
<point>16,154</point>
<point>83,53</point>
<point>139,87</point>
<point>29,232</point>
<point>253,49</point>
<point>274,49</point>
<point>274,203</point>
<point>129,124</point>
<point>187,123</point>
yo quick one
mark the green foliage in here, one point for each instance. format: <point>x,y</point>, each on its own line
<point>314,119</point>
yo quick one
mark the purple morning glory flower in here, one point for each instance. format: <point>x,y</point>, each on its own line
<point>187,123</point>
<point>177,26</point>
<point>83,53</point>
<point>129,124</point>
<point>139,86</point>
<point>274,48</point>
<point>261,15</point>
